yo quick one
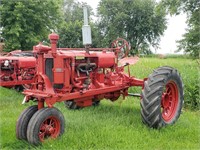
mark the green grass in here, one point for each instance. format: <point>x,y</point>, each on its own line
<point>111,125</point>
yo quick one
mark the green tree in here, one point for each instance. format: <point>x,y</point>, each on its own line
<point>141,22</point>
<point>26,22</point>
<point>71,34</point>
<point>71,30</point>
<point>73,10</point>
<point>191,39</point>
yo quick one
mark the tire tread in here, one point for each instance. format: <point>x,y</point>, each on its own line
<point>152,94</point>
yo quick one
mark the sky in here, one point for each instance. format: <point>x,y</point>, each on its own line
<point>176,27</point>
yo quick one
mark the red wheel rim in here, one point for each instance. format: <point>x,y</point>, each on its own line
<point>49,128</point>
<point>169,102</point>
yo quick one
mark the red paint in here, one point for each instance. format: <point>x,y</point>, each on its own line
<point>49,128</point>
<point>169,101</point>
<point>106,60</point>
<point>79,76</point>
<point>129,60</point>
<point>17,69</point>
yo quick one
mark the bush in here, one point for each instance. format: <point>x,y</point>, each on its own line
<point>190,77</point>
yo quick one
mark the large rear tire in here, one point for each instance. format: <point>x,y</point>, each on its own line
<point>162,98</point>
<point>45,123</point>
<point>23,120</point>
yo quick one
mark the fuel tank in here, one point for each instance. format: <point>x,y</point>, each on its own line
<point>104,59</point>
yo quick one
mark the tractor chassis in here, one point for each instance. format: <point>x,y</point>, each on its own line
<point>85,76</point>
<point>84,98</point>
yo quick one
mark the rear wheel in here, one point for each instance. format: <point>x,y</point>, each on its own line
<point>71,105</point>
<point>162,97</point>
<point>45,123</point>
<point>23,120</point>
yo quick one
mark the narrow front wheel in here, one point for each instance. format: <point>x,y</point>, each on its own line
<point>45,123</point>
<point>23,120</point>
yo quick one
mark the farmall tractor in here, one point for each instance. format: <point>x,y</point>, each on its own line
<point>82,77</point>
<point>17,69</point>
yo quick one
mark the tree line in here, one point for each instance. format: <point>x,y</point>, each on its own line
<point>24,23</point>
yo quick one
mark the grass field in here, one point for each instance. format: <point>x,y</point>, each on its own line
<point>111,125</point>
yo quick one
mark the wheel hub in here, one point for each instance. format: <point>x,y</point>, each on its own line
<point>169,101</point>
<point>166,100</point>
<point>49,128</point>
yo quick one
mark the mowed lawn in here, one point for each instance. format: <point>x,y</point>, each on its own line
<point>110,125</point>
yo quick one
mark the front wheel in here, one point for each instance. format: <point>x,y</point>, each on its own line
<point>23,120</point>
<point>45,123</point>
<point>162,98</point>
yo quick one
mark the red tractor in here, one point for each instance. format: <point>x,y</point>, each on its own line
<point>17,69</point>
<point>82,77</point>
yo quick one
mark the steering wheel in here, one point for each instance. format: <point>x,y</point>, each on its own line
<point>123,46</point>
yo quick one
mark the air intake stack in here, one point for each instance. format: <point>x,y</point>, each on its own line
<point>86,30</point>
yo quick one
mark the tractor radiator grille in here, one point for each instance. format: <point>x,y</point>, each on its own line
<point>48,68</point>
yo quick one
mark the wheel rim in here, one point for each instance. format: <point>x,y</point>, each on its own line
<point>50,128</point>
<point>169,101</point>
